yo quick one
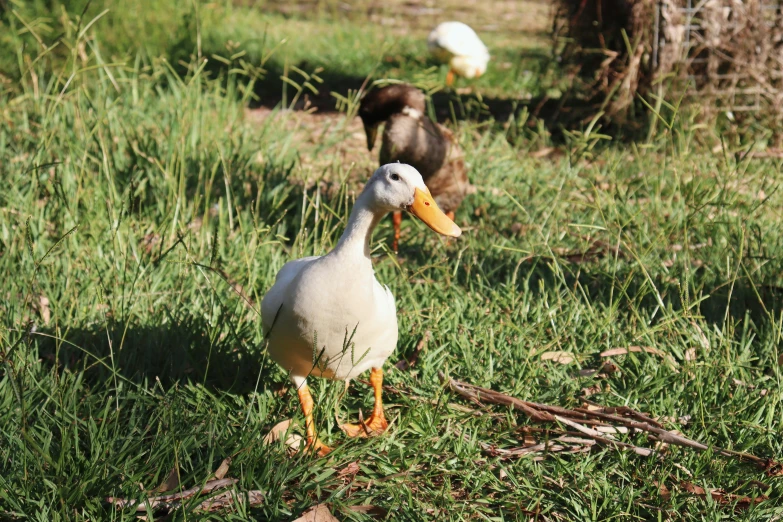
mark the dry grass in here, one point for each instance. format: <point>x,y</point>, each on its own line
<point>327,142</point>
<point>725,51</point>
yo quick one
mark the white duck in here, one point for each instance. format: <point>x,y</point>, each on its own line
<point>458,45</point>
<point>328,316</point>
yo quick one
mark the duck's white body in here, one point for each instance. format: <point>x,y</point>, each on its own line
<point>328,316</point>
<point>458,45</point>
<point>317,302</point>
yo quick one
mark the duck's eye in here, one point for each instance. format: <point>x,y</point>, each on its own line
<point>395,177</point>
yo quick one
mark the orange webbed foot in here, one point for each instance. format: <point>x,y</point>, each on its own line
<point>316,447</point>
<point>375,425</point>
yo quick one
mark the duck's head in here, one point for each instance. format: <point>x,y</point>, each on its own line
<point>397,186</point>
<point>379,105</point>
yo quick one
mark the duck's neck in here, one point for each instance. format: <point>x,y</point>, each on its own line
<point>355,241</point>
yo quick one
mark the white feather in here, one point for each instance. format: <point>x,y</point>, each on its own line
<point>458,45</point>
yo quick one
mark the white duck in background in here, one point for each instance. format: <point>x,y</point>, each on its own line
<point>327,316</point>
<point>458,45</point>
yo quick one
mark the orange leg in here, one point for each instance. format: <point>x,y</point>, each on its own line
<point>450,78</point>
<point>377,422</point>
<point>397,220</point>
<point>313,442</point>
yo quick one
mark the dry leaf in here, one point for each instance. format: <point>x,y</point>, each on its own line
<point>591,390</point>
<point>663,491</point>
<point>294,441</point>
<point>690,354</point>
<point>319,513</point>
<point>277,431</point>
<point>773,469</point>
<point>608,368</point>
<point>635,349</point>
<point>738,382</point>
<point>150,242</point>
<point>43,308</point>
<point>721,497</point>
<point>705,343</point>
<point>171,483</point>
<point>223,468</point>
<point>542,153</point>
<point>638,349</point>
<point>559,357</point>
<point>351,469</point>
<point>684,419</point>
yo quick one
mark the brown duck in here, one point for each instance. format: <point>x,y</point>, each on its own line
<point>411,137</point>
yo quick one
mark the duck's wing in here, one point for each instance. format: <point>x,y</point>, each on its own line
<point>458,39</point>
<point>385,300</point>
<point>274,298</point>
<point>415,141</point>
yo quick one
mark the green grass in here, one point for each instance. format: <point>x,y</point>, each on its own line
<point>129,193</point>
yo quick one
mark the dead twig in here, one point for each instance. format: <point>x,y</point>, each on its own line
<point>562,444</point>
<point>174,501</point>
<point>535,411</point>
<point>606,439</point>
<point>404,364</point>
<point>600,417</point>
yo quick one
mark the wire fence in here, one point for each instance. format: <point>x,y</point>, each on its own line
<point>730,51</point>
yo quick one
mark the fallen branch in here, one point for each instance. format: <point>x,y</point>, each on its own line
<point>606,439</point>
<point>227,499</point>
<point>570,444</point>
<point>535,411</point>
<point>153,502</point>
<point>173,501</point>
<point>597,416</point>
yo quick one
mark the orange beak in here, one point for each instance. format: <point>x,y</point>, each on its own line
<point>425,208</point>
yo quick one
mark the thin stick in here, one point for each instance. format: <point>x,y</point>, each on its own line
<point>637,421</point>
<point>163,500</point>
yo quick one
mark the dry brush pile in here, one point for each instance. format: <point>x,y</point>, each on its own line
<point>727,51</point>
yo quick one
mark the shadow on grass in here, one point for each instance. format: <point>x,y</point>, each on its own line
<point>449,104</point>
<point>183,349</point>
